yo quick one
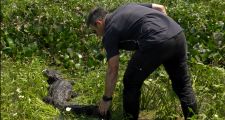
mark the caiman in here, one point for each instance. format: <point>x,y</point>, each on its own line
<point>60,91</point>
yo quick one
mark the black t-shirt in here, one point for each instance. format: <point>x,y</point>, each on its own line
<point>136,26</point>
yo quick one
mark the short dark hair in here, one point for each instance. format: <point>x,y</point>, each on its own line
<point>97,13</point>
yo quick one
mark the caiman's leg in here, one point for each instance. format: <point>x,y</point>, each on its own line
<point>73,94</point>
<point>48,100</point>
<point>61,105</point>
<point>72,82</point>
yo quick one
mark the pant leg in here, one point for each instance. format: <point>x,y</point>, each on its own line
<point>139,67</point>
<point>177,69</point>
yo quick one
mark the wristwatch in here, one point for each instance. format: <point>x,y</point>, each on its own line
<point>106,99</point>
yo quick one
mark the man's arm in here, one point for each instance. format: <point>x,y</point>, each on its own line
<point>111,75</point>
<point>110,83</point>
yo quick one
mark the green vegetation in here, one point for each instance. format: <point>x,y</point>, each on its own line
<point>38,34</point>
<point>56,29</point>
<point>23,87</point>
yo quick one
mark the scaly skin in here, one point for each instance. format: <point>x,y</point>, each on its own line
<point>59,91</point>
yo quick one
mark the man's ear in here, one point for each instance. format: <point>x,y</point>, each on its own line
<point>98,21</point>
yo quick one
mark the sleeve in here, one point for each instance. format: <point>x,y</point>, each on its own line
<point>149,5</point>
<point>111,43</point>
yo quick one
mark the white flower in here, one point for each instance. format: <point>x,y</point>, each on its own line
<point>20,96</point>
<point>68,108</point>
<point>216,115</point>
<point>79,55</point>
<point>14,114</point>
<point>18,90</point>
<point>29,100</point>
<point>77,8</point>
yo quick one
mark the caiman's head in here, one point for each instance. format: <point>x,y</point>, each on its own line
<point>52,75</point>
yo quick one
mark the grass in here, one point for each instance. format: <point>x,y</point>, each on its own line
<point>23,87</point>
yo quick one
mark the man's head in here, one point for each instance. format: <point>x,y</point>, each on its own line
<point>96,20</point>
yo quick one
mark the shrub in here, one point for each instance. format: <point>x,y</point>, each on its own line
<point>56,30</point>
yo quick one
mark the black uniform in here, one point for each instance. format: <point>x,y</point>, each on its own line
<point>157,39</point>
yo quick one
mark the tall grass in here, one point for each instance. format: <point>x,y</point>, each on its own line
<point>209,86</point>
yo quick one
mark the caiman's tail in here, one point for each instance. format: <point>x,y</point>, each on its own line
<point>89,110</point>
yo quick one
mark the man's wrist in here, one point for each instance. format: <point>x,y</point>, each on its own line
<point>106,98</point>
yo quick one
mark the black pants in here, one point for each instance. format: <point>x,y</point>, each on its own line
<point>173,55</point>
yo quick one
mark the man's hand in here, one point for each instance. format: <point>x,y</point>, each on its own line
<point>160,8</point>
<point>104,107</point>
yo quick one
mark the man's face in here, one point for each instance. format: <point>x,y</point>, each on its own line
<point>99,28</point>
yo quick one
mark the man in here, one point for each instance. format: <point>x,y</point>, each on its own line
<point>156,39</point>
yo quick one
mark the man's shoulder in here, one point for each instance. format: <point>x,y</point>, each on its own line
<point>119,16</point>
<point>122,9</point>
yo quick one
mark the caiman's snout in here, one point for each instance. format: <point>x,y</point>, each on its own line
<point>50,73</point>
<point>45,72</point>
